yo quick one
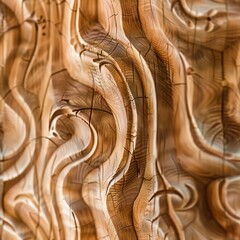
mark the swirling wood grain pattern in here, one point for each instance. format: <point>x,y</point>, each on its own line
<point>119,119</point>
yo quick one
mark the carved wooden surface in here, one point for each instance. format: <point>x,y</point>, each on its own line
<point>119,119</point>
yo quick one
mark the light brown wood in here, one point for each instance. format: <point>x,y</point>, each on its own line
<point>119,119</point>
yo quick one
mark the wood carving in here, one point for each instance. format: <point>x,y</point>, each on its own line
<point>119,119</point>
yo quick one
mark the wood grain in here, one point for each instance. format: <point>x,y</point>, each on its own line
<point>119,119</point>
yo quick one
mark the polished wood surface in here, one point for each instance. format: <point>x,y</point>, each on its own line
<point>119,119</point>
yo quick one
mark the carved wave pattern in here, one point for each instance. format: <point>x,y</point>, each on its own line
<point>119,119</point>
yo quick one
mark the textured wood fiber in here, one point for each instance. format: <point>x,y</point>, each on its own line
<point>119,119</point>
